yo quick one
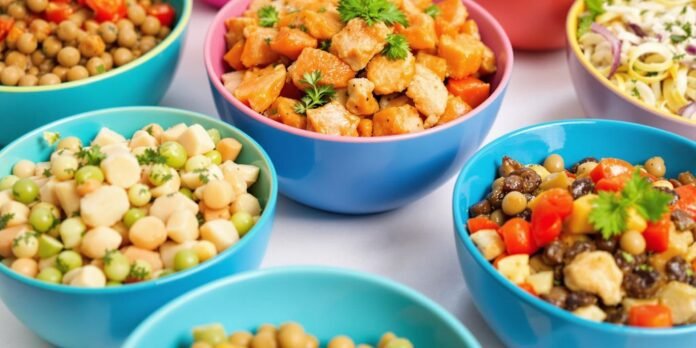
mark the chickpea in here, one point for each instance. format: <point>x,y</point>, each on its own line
<point>37,6</point>
<point>92,46</point>
<point>498,217</point>
<point>241,338</point>
<point>124,23</point>
<point>11,75</point>
<point>28,80</point>
<point>514,203</point>
<point>122,56</point>
<point>27,43</point>
<point>46,66</point>
<point>341,342</point>
<point>664,184</point>
<point>80,16</point>
<point>656,166</point>
<point>164,32</point>
<point>266,328</point>
<point>147,43</point>
<point>151,26</point>
<point>67,30</point>
<point>108,32</point>
<point>51,46</point>
<point>73,144</point>
<point>91,26</point>
<point>263,340</point>
<point>108,60</point>
<point>633,242</point>
<point>17,59</point>
<point>27,267</point>
<point>292,335</point>
<point>95,66</point>
<point>49,79</point>
<point>127,37</point>
<point>33,71</point>
<point>554,163</point>
<point>64,167</point>
<point>585,169</point>
<point>68,56</point>
<point>41,29</point>
<point>17,10</point>
<point>23,169</point>
<point>37,57</point>
<point>61,72</point>
<point>136,14</point>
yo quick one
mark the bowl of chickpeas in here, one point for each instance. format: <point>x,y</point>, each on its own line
<point>317,307</point>
<point>110,214</point>
<point>60,58</point>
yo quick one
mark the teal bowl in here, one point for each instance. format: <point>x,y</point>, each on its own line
<point>144,81</point>
<point>326,301</point>
<point>79,317</point>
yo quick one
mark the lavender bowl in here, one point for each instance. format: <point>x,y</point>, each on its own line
<point>598,96</point>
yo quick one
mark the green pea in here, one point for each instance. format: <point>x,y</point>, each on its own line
<point>25,190</point>
<point>185,259</point>
<point>71,231</point>
<point>68,260</point>
<point>139,195</point>
<point>89,173</point>
<point>399,343</point>
<point>197,163</point>
<point>49,246</point>
<point>159,174</point>
<point>133,215</point>
<point>214,156</point>
<point>243,222</point>
<point>187,192</point>
<point>214,135</point>
<point>50,275</point>
<point>41,219</point>
<point>140,270</point>
<point>213,334</point>
<point>111,284</point>
<point>174,153</point>
<point>7,182</point>
<point>116,266</point>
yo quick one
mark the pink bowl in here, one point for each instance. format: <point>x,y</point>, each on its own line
<point>531,24</point>
<point>216,3</point>
<point>600,98</point>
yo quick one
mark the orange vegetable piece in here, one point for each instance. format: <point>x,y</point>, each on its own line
<point>452,17</point>
<point>479,223</point>
<point>293,20</point>
<point>436,64</point>
<point>322,25</point>
<point>463,53</point>
<point>290,42</point>
<point>650,316</point>
<point>257,48</point>
<point>528,288</point>
<point>471,28</point>
<point>472,90</point>
<point>365,127</point>
<point>456,107</point>
<point>233,57</point>
<point>488,65</point>
<point>333,70</point>
<point>235,29</point>
<point>261,87</point>
<point>283,110</point>
<point>420,32</point>
<point>396,120</point>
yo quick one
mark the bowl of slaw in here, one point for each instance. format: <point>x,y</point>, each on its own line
<point>635,61</point>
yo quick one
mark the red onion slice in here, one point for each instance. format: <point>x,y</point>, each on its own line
<point>691,49</point>
<point>688,110</point>
<point>637,29</point>
<point>615,46</point>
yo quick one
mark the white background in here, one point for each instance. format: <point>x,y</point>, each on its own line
<point>413,245</point>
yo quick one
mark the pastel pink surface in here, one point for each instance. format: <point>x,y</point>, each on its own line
<point>492,33</point>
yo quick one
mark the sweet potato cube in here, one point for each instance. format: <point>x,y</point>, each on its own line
<point>283,110</point>
<point>452,16</point>
<point>290,42</point>
<point>257,48</point>
<point>365,127</point>
<point>396,120</point>
<point>456,107</point>
<point>436,64</point>
<point>333,70</point>
<point>235,29</point>
<point>261,87</point>
<point>358,42</point>
<point>391,76</point>
<point>322,25</point>
<point>420,32</point>
<point>233,57</point>
<point>463,53</point>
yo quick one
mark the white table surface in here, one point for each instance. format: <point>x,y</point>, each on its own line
<point>413,245</point>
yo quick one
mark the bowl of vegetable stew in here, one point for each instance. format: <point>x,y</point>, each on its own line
<point>310,295</point>
<point>347,173</point>
<point>607,50</point>
<point>513,311</point>
<point>107,315</point>
<point>76,57</point>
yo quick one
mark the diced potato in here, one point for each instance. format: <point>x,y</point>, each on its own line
<point>107,137</point>
<point>196,140</point>
<point>420,32</point>
<point>555,180</point>
<point>283,110</point>
<point>428,93</point>
<point>489,243</point>
<point>679,243</point>
<point>164,206</point>
<point>210,214</point>
<point>246,203</point>
<point>681,299</point>
<point>579,220</point>
<point>690,253</point>
<point>455,108</point>
<point>152,257</point>
<point>358,42</point>
<point>322,25</point>
<point>182,226</point>
<point>18,211</point>
<point>360,98</point>
<point>97,241</point>
<point>539,169</point>
<point>173,132</point>
<point>142,138</point>
<point>396,120</point>
<point>249,173</point>
<point>515,268</point>
<point>541,282</point>
<point>169,249</point>
<point>233,176</point>
<point>595,272</point>
<point>333,70</point>
<point>333,119</point>
<point>463,53</point>
<point>436,64</point>
<point>7,236</point>
<point>257,47</point>
<point>262,87</point>
<point>394,100</point>
<point>229,148</point>
<point>627,303</point>
<point>235,29</point>
<point>155,130</point>
<point>290,42</point>
<point>66,192</point>
<point>391,76</point>
<point>88,277</point>
<point>105,206</point>
<point>591,312</point>
<point>221,233</point>
<point>122,170</point>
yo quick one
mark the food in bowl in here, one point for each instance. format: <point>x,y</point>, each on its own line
<point>288,335</point>
<point>49,42</point>
<point>123,211</point>
<point>356,67</point>
<point>645,48</point>
<point>606,240</point>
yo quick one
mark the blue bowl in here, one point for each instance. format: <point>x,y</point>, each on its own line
<point>327,302</point>
<point>522,320</point>
<point>79,317</point>
<point>362,175</point>
<point>141,82</point>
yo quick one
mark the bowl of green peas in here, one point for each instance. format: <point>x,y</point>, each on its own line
<point>106,216</point>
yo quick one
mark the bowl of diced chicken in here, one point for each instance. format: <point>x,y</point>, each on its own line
<point>363,106</point>
<point>106,216</point>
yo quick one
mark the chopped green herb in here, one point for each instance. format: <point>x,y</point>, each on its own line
<point>397,47</point>
<point>47,172</point>
<point>644,267</point>
<point>51,137</point>
<point>151,156</point>
<point>267,41</point>
<point>268,16</point>
<point>371,11</point>
<point>91,156</point>
<point>4,219</point>
<point>101,69</point>
<point>138,272</point>
<point>634,92</point>
<point>23,238</point>
<point>628,257</point>
<point>594,9</point>
<point>325,45</point>
<point>432,10</point>
<point>315,95</point>
<point>322,9</point>
<point>678,57</point>
<point>678,38</point>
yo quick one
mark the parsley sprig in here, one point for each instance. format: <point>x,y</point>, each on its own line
<point>315,95</point>
<point>151,156</point>
<point>371,11</point>
<point>610,210</point>
<point>4,219</point>
<point>594,9</point>
<point>51,138</point>
<point>268,16</point>
<point>91,156</point>
<point>397,47</point>
<point>432,10</point>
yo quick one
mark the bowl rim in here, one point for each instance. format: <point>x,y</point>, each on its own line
<point>266,216</point>
<point>291,271</point>
<point>220,88</point>
<point>173,36</point>
<point>573,46</point>
<point>462,234</point>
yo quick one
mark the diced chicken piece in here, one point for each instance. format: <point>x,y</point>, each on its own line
<point>235,29</point>
<point>420,32</point>
<point>97,241</point>
<point>360,98</point>
<point>104,206</point>
<point>541,282</point>
<point>290,42</point>
<point>464,54</point>
<point>247,203</point>
<point>88,276</point>
<point>322,25</point>
<point>391,76</point>
<point>169,249</point>
<point>358,42</point>
<point>173,132</point>
<point>283,110</point>
<point>47,192</point>
<point>164,206</point>
<point>488,62</point>
<point>142,138</point>
<point>196,140</point>
<point>681,299</point>
<point>333,119</point>
<point>152,257</point>
<point>365,127</point>
<point>261,87</point>
<point>257,47</point>
<point>436,64</point>
<point>591,312</point>
<point>595,272</point>
<point>229,148</point>
<point>232,80</point>
<point>394,100</point>
<point>579,220</point>
<point>221,233</point>
<point>396,120</point>
<point>107,137</point>
<point>334,71</point>
<point>428,93</point>
<point>122,170</point>
<point>489,243</point>
<point>66,192</point>
<point>455,108</point>
<point>515,268</point>
<point>7,236</point>
<point>182,226</point>
<point>18,211</point>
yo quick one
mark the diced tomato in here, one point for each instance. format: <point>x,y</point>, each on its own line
<point>657,235</point>
<point>687,199</point>
<point>57,12</point>
<point>613,184</point>
<point>107,10</point>
<point>555,201</point>
<point>546,228</point>
<point>650,316</point>
<point>472,90</point>
<point>528,288</point>
<point>518,237</point>
<point>481,223</point>
<point>547,216</point>
<point>164,12</point>
<point>609,168</point>
<point>6,24</point>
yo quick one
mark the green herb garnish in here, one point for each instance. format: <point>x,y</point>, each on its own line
<point>4,219</point>
<point>397,47</point>
<point>46,172</point>
<point>138,272</point>
<point>628,257</point>
<point>371,11</point>
<point>268,16</point>
<point>432,10</point>
<point>92,156</point>
<point>594,9</point>
<point>151,156</point>
<point>51,137</point>
<point>315,95</point>
<point>325,45</point>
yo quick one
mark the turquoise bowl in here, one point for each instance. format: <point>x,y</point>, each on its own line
<point>327,302</point>
<point>520,319</point>
<point>141,82</point>
<point>78,317</point>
